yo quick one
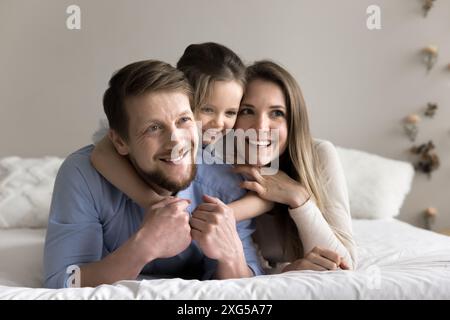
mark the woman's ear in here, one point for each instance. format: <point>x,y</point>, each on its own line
<point>119,143</point>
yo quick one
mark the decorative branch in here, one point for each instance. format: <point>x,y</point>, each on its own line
<point>428,158</point>
<point>411,127</point>
<point>430,56</point>
<point>431,109</point>
<point>428,4</point>
<point>430,215</point>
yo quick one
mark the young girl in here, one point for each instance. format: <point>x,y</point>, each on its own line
<point>217,76</point>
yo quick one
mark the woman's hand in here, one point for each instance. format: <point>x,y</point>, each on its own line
<point>277,188</point>
<point>318,259</point>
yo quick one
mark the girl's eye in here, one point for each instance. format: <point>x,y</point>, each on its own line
<point>245,111</point>
<point>231,113</point>
<point>207,110</point>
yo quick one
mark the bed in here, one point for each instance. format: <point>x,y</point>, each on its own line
<point>396,260</point>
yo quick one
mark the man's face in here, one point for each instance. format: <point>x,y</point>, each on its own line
<point>162,139</point>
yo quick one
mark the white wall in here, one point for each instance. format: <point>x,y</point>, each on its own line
<point>358,84</point>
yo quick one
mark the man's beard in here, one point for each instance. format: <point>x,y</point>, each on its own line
<point>160,179</point>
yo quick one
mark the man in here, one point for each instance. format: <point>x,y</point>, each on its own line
<point>96,227</point>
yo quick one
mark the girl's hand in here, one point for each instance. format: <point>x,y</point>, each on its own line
<point>318,259</point>
<point>277,188</point>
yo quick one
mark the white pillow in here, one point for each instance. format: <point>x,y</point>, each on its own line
<point>26,186</point>
<point>377,186</point>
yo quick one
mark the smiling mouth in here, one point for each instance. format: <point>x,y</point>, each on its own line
<point>260,143</point>
<point>177,160</point>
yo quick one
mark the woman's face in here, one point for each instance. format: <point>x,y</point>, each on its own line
<point>263,109</point>
<point>220,111</point>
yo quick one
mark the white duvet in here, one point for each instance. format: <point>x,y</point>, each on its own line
<point>396,261</point>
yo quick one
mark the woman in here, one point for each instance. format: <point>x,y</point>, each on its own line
<point>311,223</point>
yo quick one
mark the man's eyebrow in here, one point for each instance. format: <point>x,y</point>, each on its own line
<point>189,113</point>
<point>147,122</point>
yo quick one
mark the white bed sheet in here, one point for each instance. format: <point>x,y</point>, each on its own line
<point>396,261</point>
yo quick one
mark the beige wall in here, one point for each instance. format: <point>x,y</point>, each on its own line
<point>358,84</point>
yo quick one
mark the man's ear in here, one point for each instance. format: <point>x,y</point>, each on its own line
<point>120,145</point>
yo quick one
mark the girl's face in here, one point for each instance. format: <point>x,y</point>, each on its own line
<point>263,109</point>
<point>220,111</point>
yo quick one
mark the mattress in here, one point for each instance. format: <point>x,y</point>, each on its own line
<point>396,261</point>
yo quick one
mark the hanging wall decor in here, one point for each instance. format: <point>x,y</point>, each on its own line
<point>411,126</point>
<point>428,4</point>
<point>431,109</point>
<point>431,53</point>
<point>428,158</point>
<point>430,214</point>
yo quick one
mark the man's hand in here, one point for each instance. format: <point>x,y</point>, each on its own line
<point>214,228</point>
<point>165,231</point>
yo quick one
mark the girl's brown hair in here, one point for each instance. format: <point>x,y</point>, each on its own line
<point>205,63</point>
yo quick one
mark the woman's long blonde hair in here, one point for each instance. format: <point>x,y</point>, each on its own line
<point>300,160</point>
